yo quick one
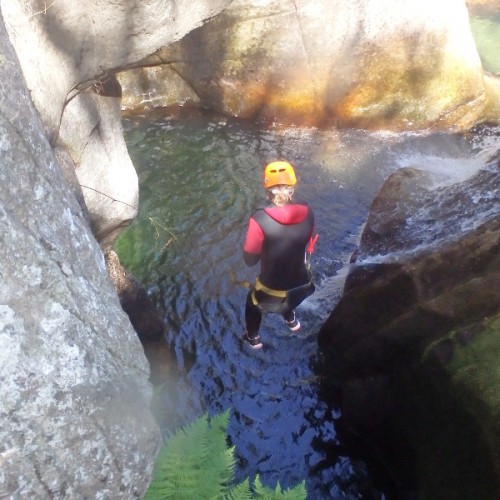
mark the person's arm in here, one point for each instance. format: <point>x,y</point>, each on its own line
<point>253,243</point>
<point>311,215</point>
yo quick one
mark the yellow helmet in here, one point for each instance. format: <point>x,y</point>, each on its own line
<point>279,172</point>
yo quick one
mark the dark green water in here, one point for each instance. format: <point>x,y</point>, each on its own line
<point>486,32</point>
<point>200,179</point>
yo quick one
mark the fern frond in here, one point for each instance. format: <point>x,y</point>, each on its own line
<point>239,491</point>
<point>195,461</point>
<point>262,492</point>
<point>298,492</point>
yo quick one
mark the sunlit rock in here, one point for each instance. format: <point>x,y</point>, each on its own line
<point>492,109</point>
<point>482,7</point>
<point>92,134</point>
<point>372,64</point>
<point>412,346</point>
<point>74,413</point>
<point>66,50</point>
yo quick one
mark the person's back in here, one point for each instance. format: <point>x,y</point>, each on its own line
<point>287,230</point>
<point>277,236</point>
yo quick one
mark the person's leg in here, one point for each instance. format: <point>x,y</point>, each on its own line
<point>291,319</point>
<point>294,298</point>
<point>288,314</point>
<point>253,318</point>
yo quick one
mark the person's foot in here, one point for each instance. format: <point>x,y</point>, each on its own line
<point>253,342</point>
<point>293,324</point>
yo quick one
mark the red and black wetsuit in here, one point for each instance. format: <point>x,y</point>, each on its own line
<point>277,236</point>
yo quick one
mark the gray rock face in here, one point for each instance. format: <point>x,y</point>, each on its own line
<point>67,50</point>
<point>74,413</point>
<point>91,131</point>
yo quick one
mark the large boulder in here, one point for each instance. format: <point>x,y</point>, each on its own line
<point>91,134</point>
<point>364,63</point>
<point>411,350</point>
<point>68,52</point>
<point>74,417</point>
<point>482,7</point>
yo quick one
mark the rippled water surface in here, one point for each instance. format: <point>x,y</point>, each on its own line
<point>200,179</point>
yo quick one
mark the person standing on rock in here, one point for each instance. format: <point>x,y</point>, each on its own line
<point>279,236</point>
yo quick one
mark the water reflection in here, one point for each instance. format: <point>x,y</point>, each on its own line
<point>200,179</point>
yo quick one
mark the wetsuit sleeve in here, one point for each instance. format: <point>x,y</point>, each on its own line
<point>311,216</point>
<point>253,243</point>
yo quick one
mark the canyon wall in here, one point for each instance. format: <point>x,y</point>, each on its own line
<point>411,350</point>
<point>402,65</point>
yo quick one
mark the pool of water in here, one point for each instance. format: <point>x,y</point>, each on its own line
<point>200,179</point>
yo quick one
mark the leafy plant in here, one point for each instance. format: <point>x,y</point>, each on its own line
<point>299,492</point>
<point>196,463</point>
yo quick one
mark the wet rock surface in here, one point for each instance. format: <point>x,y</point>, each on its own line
<point>420,310</point>
<point>74,416</point>
<point>135,300</point>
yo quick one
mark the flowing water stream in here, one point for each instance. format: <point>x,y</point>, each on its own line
<point>200,179</point>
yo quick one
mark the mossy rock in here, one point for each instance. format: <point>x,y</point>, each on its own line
<point>453,415</point>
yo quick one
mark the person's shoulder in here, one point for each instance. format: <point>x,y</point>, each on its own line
<point>309,213</point>
<point>303,204</point>
<point>261,210</point>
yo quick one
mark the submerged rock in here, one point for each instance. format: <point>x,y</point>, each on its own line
<point>413,344</point>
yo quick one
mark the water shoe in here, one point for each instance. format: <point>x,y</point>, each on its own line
<point>294,324</point>
<point>254,342</point>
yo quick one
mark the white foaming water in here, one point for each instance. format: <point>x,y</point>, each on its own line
<point>445,171</point>
<point>461,194</point>
<point>450,159</point>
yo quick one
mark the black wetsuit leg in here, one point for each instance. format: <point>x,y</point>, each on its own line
<point>288,315</point>
<point>294,298</point>
<point>253,317</point>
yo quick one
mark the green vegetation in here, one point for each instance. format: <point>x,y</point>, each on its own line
<point>486,34</point>
<point>196,462</point>
<point>475,375</point>
<point>453,414</point>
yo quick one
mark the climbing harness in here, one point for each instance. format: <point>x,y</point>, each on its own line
<point>260,287</point>
<point>235,281</point>
<point>290,297</point>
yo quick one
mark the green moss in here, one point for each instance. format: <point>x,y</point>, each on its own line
<point>477,364</point>
<point>452,415</point>
<point>475,376</point>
